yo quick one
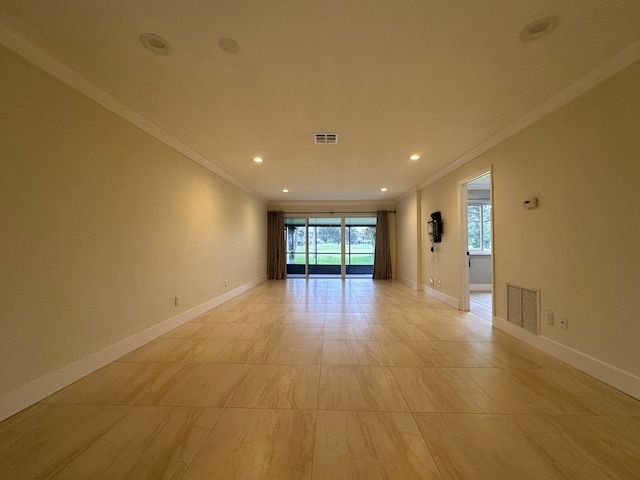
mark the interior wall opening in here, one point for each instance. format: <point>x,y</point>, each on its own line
<point>479,246</point>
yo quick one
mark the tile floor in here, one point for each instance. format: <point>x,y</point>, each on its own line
<point>329,379</point>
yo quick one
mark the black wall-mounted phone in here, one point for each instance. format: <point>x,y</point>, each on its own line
<point>435,227</point>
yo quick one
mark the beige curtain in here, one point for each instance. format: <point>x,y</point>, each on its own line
<point>276,260</point>
<point>382,255</point>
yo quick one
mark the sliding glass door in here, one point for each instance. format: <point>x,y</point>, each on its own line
<point>296,245</point>
<point>325,246</point>
<point>330,245</point>
<point>360,239</point>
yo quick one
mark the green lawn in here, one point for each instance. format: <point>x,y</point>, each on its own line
<point>329,254</point>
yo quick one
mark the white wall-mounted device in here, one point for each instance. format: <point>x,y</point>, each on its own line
<point>531,202</point>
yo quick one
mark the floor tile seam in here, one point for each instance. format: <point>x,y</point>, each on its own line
<point>95,404</point>
<point>493,398</point>
<point>286,365</point>
<point>443,412</point>
<point>543,448</point>
<point>204,441</point>
<point>353,365</point>
<point>269,407</point>
<point>264,347</point>
<point>437,367</point>
<point>152,362</point>
<point>238,338</point>
<point>360,366</point>
<point>325,364</point>
<point>484,390</point>
<point>320,375</point>
<point>239,383</point>
<point>401,392</point>
<point>438,340</point>
<point>134,405</point>
<point>86,446</point>
<point>188,363</point>
<point>235,322</point>
<point>350,340</point>
<point>315,432</point>
<point>191,362</point>
<point>367,410</point>
<point>434,458</point>
<point>528,414</point>
<point>557,385</point>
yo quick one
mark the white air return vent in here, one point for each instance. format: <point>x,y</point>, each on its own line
<point>326,138</point>
<point>522,308</point>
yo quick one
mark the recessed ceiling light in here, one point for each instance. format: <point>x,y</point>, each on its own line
<point>155,43</point>
<point>284,190</point>
<point>229,45</point>
<point>383,189</point>
<point>258,160</point>
<point>415,156</point>
<point>539,28</point>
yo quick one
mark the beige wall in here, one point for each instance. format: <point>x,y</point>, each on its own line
<point>102,226</point>
<point>580,246</point>
<point>407,239</point>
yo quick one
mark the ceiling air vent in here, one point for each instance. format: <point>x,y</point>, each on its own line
<point>327,138</point>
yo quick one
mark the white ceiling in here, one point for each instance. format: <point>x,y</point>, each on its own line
<point>392,78</point>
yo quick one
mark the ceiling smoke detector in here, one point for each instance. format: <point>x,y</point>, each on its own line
<point>155,43</point>
<point>229,45</point>
<point>539,28</point>
<point>325,138</point>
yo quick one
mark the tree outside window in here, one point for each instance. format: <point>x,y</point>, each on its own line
<point>479,227</point>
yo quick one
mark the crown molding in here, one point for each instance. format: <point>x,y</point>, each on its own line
<point>47,62</point>
<point>608,69</point>
<point>337,207</point>
<point>408,193</point>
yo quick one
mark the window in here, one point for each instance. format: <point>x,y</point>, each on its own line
<point>360,238</point>
<point>479,227</point>
<point>314,245</point>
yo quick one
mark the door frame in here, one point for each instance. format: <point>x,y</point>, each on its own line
<point>463,195</point>
<point>342,217</point>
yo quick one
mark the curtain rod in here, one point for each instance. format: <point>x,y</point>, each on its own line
<point>334,213</point>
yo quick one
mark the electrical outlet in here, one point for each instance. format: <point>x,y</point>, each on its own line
<point>226,283</point>
<point>564,323</point>
<point>177,301</point>
<point>549,317</point>
<point>439,284</point>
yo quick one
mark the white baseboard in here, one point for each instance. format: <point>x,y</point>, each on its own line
<point>411,283</point>
<point>617,378</point>
<point>22,397</point>
<point>454,302</point>
<point>480,287</point>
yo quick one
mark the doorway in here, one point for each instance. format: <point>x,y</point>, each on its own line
<point>330,246</point>
<point>477,229</point>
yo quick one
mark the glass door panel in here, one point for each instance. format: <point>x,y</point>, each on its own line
<point>325,255</point>
<point>296,245</point>
<point>360,237</point>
